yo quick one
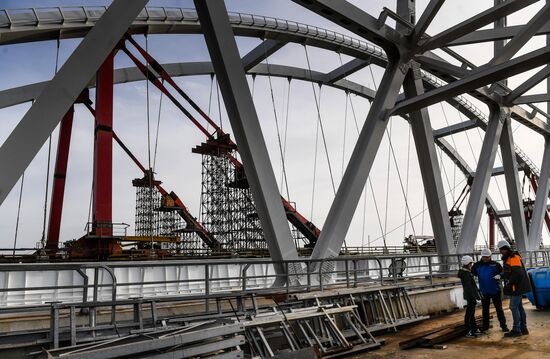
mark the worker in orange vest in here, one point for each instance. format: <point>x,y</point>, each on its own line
<point>516,284</point>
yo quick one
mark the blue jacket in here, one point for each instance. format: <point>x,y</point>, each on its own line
<point>485,272</point>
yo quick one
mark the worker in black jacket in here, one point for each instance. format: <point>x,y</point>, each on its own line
<point>471,294</point>
<point>516,284</point>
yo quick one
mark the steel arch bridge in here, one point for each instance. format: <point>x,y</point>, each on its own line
<point>411,59</point>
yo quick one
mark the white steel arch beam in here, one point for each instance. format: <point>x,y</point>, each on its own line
<point>157,20</point>
<point>62,25</point>
<point>45,114</point>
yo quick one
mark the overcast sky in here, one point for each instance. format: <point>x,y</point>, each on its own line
<point>384,210</point>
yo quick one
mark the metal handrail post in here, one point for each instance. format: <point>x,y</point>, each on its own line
<point>430,269</point>
<point>355,273</point>
<point>347,272</point>
<point>207,287</point>
<point>321,275</point>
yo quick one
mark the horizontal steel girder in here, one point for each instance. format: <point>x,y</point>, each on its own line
<point>477,79</point>
<point>475,22</point>
<point>490,35</point>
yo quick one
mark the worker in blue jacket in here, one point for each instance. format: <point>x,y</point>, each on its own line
<point>489,274</point>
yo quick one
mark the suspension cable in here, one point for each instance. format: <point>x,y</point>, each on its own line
<point>364,187</point>
<point>475,162</point>
<point>454,144</point>
<point>417,214</point>
<point>219,104</point>
<point>363,192</point>
<point>286,121</point>
<point>18,213</point>
<point>345,129</point>
<point>43,239</point>
<point>158,130</point>
<point>317,105</point>
<point>392,153</point>
<point>407,178</point>
<point>147,105</point>
<point>388,135</point>
<point>283,166</point>
<point>314,168</point>
<point>370,185</point>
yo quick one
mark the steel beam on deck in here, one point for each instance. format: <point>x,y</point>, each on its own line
<point>467,26</point>
<point>58,188</point>
<point>541,200</point>
<point>513,185</point>
<point>246,127</point>
<point>58,96</point>
<point>258,54</point>
<point>345,203</point>
<point>429,167</point>
<point>478,192</point>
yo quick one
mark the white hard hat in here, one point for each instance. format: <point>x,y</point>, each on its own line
<point>486,252</point>
<point>466,260</point>
<point>503,243</point>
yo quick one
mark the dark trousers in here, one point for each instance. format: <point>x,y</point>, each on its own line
<point>497,302</point>
<point>518,313</point>
<point>470,316</point>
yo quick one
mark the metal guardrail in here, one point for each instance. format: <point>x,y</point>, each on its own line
<point>217,278</point>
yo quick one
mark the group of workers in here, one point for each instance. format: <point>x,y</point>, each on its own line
<point>511,277</point>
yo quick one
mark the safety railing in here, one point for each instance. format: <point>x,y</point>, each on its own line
<point>114,229</point>
<point>35,285</point>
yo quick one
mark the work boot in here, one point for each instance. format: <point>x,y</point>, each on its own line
<point>505,329</point>
<point>470,335</point>
<point>512,334</point>
<point>478,332</point>
<point>524,331</point>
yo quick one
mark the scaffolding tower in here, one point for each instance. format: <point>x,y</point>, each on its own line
<point>227,208</point>
<point>157,217</point>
